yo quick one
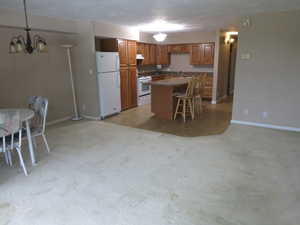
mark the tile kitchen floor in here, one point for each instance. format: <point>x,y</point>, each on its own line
<point>214,120</point>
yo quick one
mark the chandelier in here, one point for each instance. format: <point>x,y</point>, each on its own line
<point>27,44</point>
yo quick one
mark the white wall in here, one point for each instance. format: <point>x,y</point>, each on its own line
<point>269,81</point>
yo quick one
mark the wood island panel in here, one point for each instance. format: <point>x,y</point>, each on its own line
<point>162,96</point>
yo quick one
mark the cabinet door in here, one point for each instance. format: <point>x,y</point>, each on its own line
<point>159,54</point>
<point>207,54</point>
<point>152,55</point>
<point>124,88</point>
<point>122,44</point>
<point>195,54</point>
<point>131,51</point>
<point>146,54</point>
<point>132,87</point>
<point>165,60</point>
<point>140,48</point>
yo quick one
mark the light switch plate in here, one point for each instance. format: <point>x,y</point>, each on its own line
<point>245,56</point>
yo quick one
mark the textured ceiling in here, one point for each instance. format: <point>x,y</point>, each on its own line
<point>196,14</point>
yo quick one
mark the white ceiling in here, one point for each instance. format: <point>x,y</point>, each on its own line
<point>196,14</point>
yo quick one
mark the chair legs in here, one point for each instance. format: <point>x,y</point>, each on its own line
<point>186,104</point>
<point>22,164</point>
<point>46,142</point>
<point>198,107</point>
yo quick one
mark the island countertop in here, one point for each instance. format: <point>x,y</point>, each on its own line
<point>171,82</point>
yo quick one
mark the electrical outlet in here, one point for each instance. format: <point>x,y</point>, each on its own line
<point>83,107</point>
<point>90,71</point>
<point>246,111</point>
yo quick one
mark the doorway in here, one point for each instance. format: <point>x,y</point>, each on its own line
<point>232,65</point>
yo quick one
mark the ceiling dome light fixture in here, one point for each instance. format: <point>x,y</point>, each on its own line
<point>160,37</point>
<point>20,44</point>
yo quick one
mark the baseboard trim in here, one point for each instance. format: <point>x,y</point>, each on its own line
<point>91,117</point>
<point>59,120</point>
<point>265,125</point>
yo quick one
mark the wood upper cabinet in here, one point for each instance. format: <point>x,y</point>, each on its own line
<point>202,54</point>
<point>140,48</point>
<point>127,52</point>
<point>152,54</point>
<point>131,51</point>
<point>195,54</point>
<point>163,57</point>
<point>179,48</point>
<point>207,54</point>
<point>146,55</point>
<point>123,53</point>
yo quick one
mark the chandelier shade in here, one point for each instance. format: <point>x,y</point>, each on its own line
<point>27,44</point>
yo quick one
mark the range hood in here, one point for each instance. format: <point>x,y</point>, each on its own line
<point>139,56</point>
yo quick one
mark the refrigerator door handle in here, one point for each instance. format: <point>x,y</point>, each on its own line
<point>117,63</point>
<point>118,80</point>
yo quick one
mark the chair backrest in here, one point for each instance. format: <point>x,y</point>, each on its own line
<point>190,88</point>
<point>39,105</point>
<point>10,124</point>
<point>200,84</point>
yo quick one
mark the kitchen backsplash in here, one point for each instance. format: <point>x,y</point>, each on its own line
<point>181,62</point>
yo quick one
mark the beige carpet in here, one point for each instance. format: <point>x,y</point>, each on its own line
<point>101,173</point>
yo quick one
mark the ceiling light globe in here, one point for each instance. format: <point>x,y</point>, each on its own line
<point>160,37</point>
<point>12,48</point>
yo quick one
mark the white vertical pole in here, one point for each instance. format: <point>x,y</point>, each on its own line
<point>76,117</point>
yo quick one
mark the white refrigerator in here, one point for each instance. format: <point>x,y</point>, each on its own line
<point>108,77</point>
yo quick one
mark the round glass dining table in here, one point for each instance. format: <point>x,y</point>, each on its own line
<point>25,116</point>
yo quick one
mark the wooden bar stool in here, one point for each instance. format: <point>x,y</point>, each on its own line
<point>198,104</point>
<point>185,103</point>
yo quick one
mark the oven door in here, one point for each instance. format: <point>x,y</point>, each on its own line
<point>144,87</point>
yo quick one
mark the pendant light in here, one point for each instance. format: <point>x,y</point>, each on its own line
<point>27,44</point>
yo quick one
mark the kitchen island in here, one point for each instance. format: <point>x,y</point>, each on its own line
<point>163,102</point>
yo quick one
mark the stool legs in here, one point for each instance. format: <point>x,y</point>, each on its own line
<point>186,104</point>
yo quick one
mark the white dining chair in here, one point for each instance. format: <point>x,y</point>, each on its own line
<point>11,138</point>
<point>38,123</point>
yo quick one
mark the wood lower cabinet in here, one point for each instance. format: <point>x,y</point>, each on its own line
<point>128,82</point>
<point>132,86</point>
<point>202,54</point>
<point>131,52</point>
<point>208,87</point>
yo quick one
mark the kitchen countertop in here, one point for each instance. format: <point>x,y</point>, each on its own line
<point>172,73</point>
<point>171,82</point>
